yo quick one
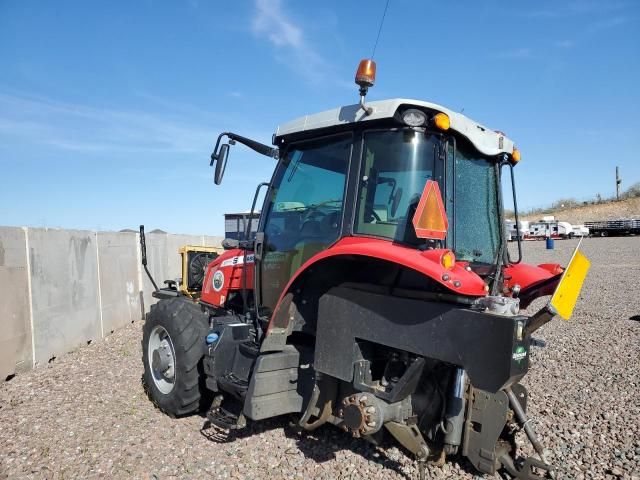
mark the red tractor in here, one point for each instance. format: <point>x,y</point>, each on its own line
<point>378,294</point>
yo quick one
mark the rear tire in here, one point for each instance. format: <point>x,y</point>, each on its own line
<point>173,345</point>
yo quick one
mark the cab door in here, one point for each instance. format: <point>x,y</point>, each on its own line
<point>303,213</point>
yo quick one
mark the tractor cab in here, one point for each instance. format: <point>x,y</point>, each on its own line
<point>377,294</point>
<point>357,174</point>
<point>344,174</point>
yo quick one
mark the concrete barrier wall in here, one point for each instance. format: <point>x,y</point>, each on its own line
<point>64,291</point>
<point>60,289</point>
<point>157,263</point>
<point>15,309</point>
<point>120,289</point>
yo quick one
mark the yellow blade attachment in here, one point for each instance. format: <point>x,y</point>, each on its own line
<point>568,290</point>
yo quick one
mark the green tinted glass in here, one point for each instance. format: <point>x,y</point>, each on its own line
<point>395,168</point>
<point>305,212</point>
<point>476,223</point>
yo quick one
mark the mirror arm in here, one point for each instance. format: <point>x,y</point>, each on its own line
<point>216,149</point>
<point>252,144</point>
<point>261,148</point>
<point>515,213</point>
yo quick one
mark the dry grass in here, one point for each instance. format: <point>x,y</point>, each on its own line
<point>612,210</point>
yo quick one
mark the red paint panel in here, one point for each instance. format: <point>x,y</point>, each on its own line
<point>526,275</point>
<point>426,262</point>
<point>224,276</point>
<point>553,268</point>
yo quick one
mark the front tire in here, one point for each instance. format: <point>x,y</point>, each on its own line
<point>173,345</point>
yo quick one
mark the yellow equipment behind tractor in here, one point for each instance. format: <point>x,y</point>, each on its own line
<point>195,259</point>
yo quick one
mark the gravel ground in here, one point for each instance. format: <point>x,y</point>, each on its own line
<point>86,415</point>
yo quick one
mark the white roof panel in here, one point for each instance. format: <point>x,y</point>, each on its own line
<point>484,139</point>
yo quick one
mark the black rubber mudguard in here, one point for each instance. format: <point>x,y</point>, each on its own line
<point>165,293</point>
<point>485,345</point>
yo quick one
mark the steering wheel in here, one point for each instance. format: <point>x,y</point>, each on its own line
<point>319,210</point>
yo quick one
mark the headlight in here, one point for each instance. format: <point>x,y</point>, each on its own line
<point>414,118</point>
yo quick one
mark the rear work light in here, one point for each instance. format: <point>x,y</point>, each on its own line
<point>414,118</point>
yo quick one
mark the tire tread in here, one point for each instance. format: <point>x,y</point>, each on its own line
<point>187,326</point>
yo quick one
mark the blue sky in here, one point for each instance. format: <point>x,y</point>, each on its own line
<point>109,110</point>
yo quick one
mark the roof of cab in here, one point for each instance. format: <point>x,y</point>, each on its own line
<point>487,141</point>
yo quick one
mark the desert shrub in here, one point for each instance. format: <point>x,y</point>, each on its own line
<point>633,191</point>
<point>565,203</point>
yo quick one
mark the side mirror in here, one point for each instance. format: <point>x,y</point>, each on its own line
<point>221,163</point>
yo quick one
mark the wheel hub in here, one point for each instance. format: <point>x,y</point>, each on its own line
<point>360,414</point>
<point>162,359</point>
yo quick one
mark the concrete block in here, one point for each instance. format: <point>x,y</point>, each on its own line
<point>119,284</point>
<point>15,311</point>
<point>157,265</point>
<point>64,289</point>
<point>211,241</point>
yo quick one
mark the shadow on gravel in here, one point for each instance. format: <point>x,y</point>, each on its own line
<point>321,446</point>
<point>635,317</point>
<point>220,435</point>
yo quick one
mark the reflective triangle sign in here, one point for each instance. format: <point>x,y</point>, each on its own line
<point>430,219</point>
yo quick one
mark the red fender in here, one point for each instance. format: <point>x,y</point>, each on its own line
<point>457,279</point>
<point>534,281</point>
<point>527,275</point>
<point>554,268</point>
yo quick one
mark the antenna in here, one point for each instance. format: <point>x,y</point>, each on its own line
<point>375,45</point>
<point>366,73</point>
<point>618,183</point>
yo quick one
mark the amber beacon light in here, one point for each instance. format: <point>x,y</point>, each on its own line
<point>365,78</point>
<point>366,74</point>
